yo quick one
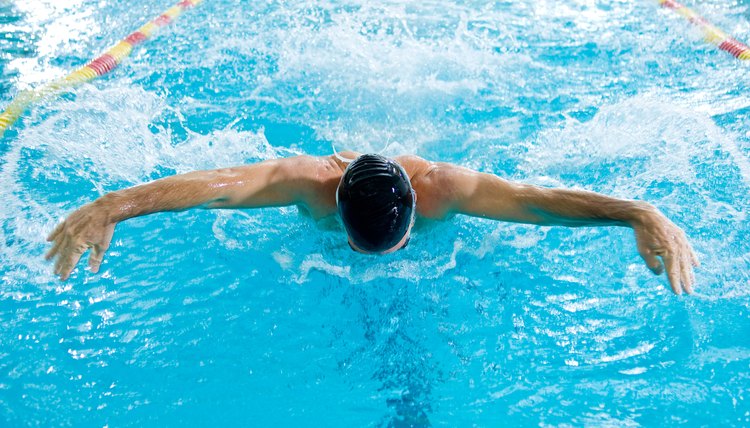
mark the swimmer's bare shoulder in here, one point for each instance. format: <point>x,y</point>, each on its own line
<point>438,185</point>
<point>316,179</point>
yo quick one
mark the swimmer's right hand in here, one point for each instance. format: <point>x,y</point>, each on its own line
<point>89,227</point>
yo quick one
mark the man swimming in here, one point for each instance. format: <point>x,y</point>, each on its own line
<point>378,200</point>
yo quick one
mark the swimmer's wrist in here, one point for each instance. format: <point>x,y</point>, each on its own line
<point>113,209</point>
<point>641,213</point>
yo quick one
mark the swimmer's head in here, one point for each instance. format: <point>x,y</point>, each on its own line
<point>376,203</point>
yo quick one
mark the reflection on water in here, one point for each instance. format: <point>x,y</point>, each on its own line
<point>404,366</point>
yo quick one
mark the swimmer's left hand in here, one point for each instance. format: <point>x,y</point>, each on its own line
<point>658,238</point>
<point>89,227</point>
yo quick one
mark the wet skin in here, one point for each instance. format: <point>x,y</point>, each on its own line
<point>310,182</point>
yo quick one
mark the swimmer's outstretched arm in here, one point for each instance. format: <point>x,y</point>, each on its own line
<point>275,182</point>
<point>464,191</point>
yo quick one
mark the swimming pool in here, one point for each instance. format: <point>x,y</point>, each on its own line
<point>267,318</point>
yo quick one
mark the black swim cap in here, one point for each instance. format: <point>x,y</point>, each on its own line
<point>376,202</point>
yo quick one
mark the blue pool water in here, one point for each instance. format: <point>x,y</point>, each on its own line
<point>267,318</point>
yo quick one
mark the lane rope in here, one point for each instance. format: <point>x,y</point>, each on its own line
<point>711,33</point>
<point>98,67</point>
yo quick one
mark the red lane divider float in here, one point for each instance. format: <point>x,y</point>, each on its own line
<point>711,33</point>
<point>99,66</point>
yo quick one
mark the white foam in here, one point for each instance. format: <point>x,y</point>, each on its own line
<point>104,137</point>
<point>641,349</point>
<point>666,135</point>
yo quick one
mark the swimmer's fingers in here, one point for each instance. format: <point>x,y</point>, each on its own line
<point>70,262</point>
<point>55,232</point>
<point>54,250</point>
<point>98,250</point>
<point>673,272</point>
<point>687,274</point>
<point>652,262</point>
<point>61,253</point>
<point>688,259</point>
<point>95,258</point>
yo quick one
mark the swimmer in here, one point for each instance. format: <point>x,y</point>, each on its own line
<point>378,200</point>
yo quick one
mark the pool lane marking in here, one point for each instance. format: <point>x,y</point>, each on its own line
<point>97,67</point>
<point>711,33</point>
